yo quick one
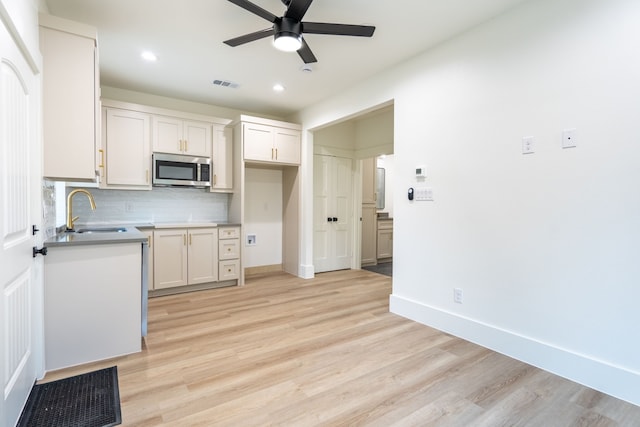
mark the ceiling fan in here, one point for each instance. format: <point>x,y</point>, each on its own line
<point>288,30</point>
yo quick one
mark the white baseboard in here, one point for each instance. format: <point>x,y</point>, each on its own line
<point>306,271</point>
<point>614,380</point>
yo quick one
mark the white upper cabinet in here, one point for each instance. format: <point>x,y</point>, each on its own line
<point>272,144</point>
<point>71,112</point>
<point>126,150</point>
<point>222,159</point>
<point>177,136</point>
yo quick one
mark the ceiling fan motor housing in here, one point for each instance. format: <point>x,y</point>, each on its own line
<point>287,27</point>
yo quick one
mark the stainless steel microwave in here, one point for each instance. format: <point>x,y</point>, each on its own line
<point>176,169</point>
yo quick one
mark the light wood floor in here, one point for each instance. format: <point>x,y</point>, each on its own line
<point>291,352</point>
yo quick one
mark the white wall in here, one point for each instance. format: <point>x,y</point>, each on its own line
<point>545,246</point>
<point>263,216</point>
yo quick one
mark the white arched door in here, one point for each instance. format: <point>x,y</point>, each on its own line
<point>20,209</point>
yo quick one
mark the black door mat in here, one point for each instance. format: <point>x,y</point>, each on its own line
<point>87,400</point>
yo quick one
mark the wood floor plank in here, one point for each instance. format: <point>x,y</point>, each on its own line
<point>292,352</point>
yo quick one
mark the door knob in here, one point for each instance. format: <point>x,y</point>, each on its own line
<point>42,251</point>
<point>329,219</point>
<point>335,219</point>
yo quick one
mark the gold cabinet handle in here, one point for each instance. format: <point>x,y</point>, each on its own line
<point>186,145</point>
<point>184,239</point>
<point>215,179</point>
<point>101,165</point>
<point>180,145</point>
<point>146,176</point>
<point>272,158</point>
<point>150,241</point>
<point>190,239</point>
<point>276,154</point>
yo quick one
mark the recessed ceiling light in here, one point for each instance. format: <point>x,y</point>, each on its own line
<point>149,56</point>
<point>278,87</point>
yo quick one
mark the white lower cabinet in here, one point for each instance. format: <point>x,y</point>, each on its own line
<point>385,239</point>
<point>229,253</point>
<point>185,257</point>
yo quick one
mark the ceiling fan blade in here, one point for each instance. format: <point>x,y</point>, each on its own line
<point>250,37</point>
<point>297,9</point>
<point>305,53</point>
<point>255,9</point>
<point>337,29</point>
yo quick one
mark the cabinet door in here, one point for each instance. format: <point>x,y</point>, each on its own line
<point>222,159</point>
<point>368,253</point>
<point>69,105</point>
<point>196,139</point>
<point>170,258</point>
<point>287,146</point>
<point>127,153</point>
<point>258,142</point>
<point>385,243</point>
<point>369,180</point>
<point>167,135</point>
<point>203,255</point>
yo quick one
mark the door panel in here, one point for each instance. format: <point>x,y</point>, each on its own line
<point>342,207</point>
<point>20,273</point>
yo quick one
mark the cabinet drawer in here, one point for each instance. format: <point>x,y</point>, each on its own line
<point>228,249</point>
<point>229,233</point>
<point>385,224</point>
<point>229,270</point>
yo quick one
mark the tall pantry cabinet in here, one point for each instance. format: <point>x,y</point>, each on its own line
<point>268,144</point>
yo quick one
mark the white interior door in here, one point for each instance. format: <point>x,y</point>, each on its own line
<point>333,217</point>
<point>20,273</point>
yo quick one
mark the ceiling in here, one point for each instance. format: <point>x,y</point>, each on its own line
<point>187,36</point>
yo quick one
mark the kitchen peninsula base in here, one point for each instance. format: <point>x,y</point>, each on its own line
<point>92,303</point>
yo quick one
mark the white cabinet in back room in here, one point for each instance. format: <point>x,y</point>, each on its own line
<point>177,136</point>
<point>385,239</point>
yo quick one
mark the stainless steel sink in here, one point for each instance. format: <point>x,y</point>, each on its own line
<point>101,230</point>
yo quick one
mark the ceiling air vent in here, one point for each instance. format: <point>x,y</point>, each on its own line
<point>226,83</point>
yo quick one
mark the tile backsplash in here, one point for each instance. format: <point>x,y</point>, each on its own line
<point>162,204</point>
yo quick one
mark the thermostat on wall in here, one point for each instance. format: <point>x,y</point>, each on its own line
<point>421,172</point>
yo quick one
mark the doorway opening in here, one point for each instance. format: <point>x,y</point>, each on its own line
<point>358,188</point>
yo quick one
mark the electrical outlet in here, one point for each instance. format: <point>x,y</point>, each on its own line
<point>251,239</point>
<point>528,146</point>
<point>457,295</point>
<point>569,138</point>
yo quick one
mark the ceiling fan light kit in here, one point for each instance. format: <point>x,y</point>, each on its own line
<point>287,30</point>
<point>287,37</point>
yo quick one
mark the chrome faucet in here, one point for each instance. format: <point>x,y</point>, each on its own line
<point>70,218</point>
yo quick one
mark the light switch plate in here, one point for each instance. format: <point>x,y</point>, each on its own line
<point>424,194</point>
